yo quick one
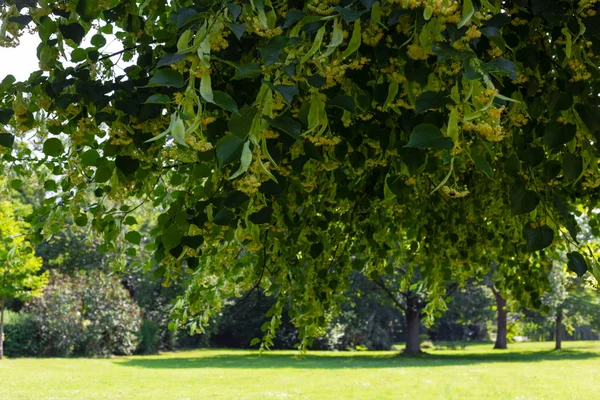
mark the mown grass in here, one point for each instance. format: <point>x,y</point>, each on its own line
<point>525,371</point>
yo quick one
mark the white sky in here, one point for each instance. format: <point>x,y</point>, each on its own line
<point>20,61</point>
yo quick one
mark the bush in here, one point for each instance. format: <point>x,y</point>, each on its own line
<point>87,314</point>
<point>21,336</point>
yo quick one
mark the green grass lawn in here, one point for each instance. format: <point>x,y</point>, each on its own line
<point>526,371</point>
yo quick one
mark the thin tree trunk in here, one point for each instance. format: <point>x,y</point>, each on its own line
<point>501,342</point>
<point>413,325</point>
<point>558,334</point>
<point>1,329</point>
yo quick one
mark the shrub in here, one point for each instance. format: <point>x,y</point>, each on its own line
<point>87,314</point>
<point>148,337</point>
<point>21,336</point>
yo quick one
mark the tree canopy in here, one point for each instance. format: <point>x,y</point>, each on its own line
<point>287,143</point>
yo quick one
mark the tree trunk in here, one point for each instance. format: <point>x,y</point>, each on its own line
<point>1,329</point>
<point>413,325</point>
<point>558,334</point>
<point>501,342</point>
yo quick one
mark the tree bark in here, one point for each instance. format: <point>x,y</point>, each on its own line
<point>558,334</point>
<point>1,329</point>
<point>413,325</point>
<point>501,342</point>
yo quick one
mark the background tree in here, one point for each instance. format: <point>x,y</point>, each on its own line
<point>19,267</point>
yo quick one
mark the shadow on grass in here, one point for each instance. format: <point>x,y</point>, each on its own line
<point>350,360</point>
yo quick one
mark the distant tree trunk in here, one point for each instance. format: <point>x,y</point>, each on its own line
<point>558,334</point>
<point>501,342</point>
<point>413,325</point>
<point>1,329</point>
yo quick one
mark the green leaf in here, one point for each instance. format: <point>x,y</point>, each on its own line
<point>53,147</point>
<point>98,40</point>
<point>167,77</point>
<point>237,29</point>
<point>523,201</point>
<point>271,51</point>
<point>223,217</point>
<point>348,14</point>
<point>241,123</point>
<point>78,55</point>
<point>355,41</point>
<point>590,116</point>
<point>482,163</point>
<point>467,12</point>
<point>245,161</point>
<point>287,125</point>
<point>5,115</point>
<point>247,71</point>
<point>225,101</point>
<point>538,238</point>
<point>577,263</point>
<point>7,140</point>
<point>103,174</point>
<point>89,158</point>
<point>572,166</point>
<point>16,183</point>
<point>431,101</point>
<point>504,65</point>
<point>229,149</point>
<point>73,31</point>
<point>558,134</point>
<point>288,92</point>
<point>192,242</point>
<point>263,216</point>
<point>429,136</point>
<point>206,87</point>
<point>133,237</point>
<point>127,165</point>
<point>158,99</point>
<point>130,220</point>
<point>81,220</point>
<point>316,249</point>
<point>254,342</point>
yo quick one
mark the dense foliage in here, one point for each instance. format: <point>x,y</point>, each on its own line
<point>85,314</point>
<point>287,143</point>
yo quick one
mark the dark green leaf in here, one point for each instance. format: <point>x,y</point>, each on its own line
<point>240,124</point>
<point>127,165</point>
<point>223,217</point>
<point>170,58</point>
<point>7,140</point>
<point>557,134</point>
<point>81,220</point>
<point>103,174</point>
<point>572,166</point>
<point>73,31</point>
<point>482,163</point>
<point>287,125</point>
<point>192,242</point>
<point>523,201</point>
<point>53,147</point>
<point>271,51</point>
<point>288,92</point>
<point>342,101</point>
<point>229,149</point>
<point>431,101</point>
<point>5,115</point>
<point>263,216</point>
<point>538,238</point>
<point>590,115</point>
<point>577,263</point>
<point>237,29</point>
<point>429,136</point>
<point>247,71</point>
<point>158,99</point>
<point>225,101</point>
<point>167,77</point>
<point>316,249</point>
<point>504,65</point>
<point>348,14</point>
